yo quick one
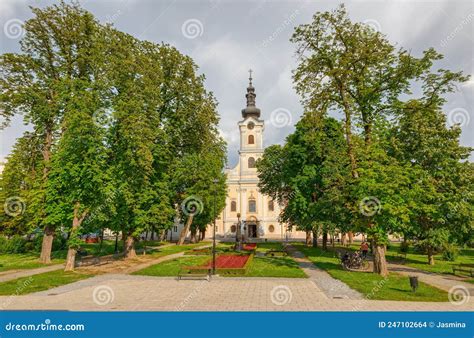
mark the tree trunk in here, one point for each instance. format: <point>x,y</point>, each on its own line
<point>47,245</point>
<point>193,236</point>
<point>325,240</point>
<point>315,237</point>
<point>130,247</point>
<point>431,260</point>
<point>350,234</point>
<point>380,263</point>
<point>308,237</point>
<point>343,239</point>
<point>184,232</point>
<point>76,223</point>
<point>203,234</point>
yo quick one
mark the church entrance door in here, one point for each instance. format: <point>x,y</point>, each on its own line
<point>252,230</point>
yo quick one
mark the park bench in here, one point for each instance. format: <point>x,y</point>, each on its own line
<point>194,272</point>
<point>468,268</point>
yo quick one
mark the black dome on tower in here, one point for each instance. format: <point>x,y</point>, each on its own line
<point>251,109</point>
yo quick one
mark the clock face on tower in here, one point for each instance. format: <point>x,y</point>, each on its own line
<point>250,125</point>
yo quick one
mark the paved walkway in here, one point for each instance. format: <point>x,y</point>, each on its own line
<point>333,288</point>
<point>129,292</point>
<point>443,282</point>
<point>10,275</point>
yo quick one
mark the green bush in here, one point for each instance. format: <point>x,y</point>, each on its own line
<point>16,244</point>
<point>404,247</point>
<point>3,244</point>
<point>450,252</point>
<point>59,243</point>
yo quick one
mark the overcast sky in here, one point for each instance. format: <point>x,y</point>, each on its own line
<point>226,38</point>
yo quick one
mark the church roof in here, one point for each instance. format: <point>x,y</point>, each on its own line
<point>251,109</point>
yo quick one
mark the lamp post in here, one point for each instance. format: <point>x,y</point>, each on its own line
<point>214,230</point>
<point>238,246</point>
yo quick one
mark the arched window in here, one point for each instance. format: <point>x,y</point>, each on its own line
<point>233,206</point>
<point>233,228</point>
<point>252,206</point>
<point>271,228</point>
<point>251,139</point>
<point>251,162</point>
<point>271,205</point>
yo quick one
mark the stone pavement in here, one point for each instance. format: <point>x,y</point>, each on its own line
<point>332,287</point>
<point>443,282</point>
<point>128,292</point>
<point>14,274</point>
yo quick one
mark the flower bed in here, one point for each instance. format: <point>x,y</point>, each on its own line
<point>250,247</point>
<point>228,264</point>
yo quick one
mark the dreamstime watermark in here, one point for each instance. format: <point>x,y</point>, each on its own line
<point>103,295</point>
<point>458,116</point>
<point>192,205</point>
<point>189,297</point>
<point>14,206</point>
<point>27,282</point>
<point>280,118</point>
<point>14,29</point>
<point>373,26</point>
<point>112,18</point>
<point>281,295</point>
<point>464,22</point>
<point>288,22</point>
<point>369,206</point>
<point>368,296</point>
<point>46,326</point>
<point>458,295</point>
<point>192,28</point>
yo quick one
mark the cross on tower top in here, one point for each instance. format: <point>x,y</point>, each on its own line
<point>250,76</point>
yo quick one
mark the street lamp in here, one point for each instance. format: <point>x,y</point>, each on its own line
<point>214,230</point>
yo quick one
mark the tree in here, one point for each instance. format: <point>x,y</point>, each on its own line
<point>347,67</point>
<point>55,49</point>
<point>307,173</point>
<point>442,197</point>
<point>18,185</point>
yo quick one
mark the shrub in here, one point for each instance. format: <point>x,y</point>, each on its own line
<point>3,244</point>
<point>16,244</point>
<point>450,252</point>
<point>404,247</point>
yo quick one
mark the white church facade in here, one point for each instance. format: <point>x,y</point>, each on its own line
<point>256,213</point>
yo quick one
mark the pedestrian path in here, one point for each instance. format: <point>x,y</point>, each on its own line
<point>29,272</point>
<point>443,282</point>
<point>333,288</point>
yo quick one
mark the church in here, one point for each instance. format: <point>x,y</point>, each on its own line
<point>256,213</point>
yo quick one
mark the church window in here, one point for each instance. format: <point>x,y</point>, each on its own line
<point>251,139</point>
<point>233,228</point>
<point>252,206</point>
<point>251,162</point>
<point>271,228</point>
<point>233,206</point>
<point>271,206</point>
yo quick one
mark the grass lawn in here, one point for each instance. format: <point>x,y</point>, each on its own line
<point>40,282</point>
<point>259,267</point>
<point>420,261</point>
<point>22,261</point>
<point>373,286</point>
<point>172,249</point>
<point>172,267</point>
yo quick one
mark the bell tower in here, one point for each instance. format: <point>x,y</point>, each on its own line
<point>251,133</point>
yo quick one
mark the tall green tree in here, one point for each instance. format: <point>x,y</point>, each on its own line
<point>54,50</point>
<point>442,208</point>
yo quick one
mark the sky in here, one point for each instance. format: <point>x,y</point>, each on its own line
<point>227,38</point>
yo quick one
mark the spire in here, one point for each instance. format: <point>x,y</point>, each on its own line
<point>251,109</point>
